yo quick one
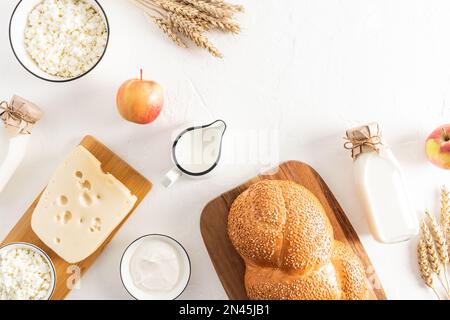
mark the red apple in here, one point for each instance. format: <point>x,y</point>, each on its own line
<point>140,101</point>
<point>438,147</point>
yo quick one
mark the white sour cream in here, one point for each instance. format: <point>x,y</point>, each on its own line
<point>155,268</point>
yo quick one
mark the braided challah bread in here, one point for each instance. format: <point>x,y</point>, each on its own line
<point>281,231</point>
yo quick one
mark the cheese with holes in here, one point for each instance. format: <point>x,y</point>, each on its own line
<point>81,207</point>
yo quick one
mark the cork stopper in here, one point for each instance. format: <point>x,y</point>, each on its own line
<point>20,114</point>
<point>364,139</point>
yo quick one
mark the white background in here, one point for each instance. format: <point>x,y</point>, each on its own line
<point>307,70</point>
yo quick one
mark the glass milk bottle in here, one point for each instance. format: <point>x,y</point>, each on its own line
<point>380,183</point>
<point>17,119</point>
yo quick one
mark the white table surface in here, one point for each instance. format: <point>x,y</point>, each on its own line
<point>298,76</point>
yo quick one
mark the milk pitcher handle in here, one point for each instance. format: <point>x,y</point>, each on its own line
<point>171,177</point>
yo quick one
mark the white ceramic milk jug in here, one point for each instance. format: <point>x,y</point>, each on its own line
<point>380,183</point>
<point>196,152</point>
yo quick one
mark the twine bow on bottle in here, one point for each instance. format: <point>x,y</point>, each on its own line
<point>16,118</point>
<point>364,139</point>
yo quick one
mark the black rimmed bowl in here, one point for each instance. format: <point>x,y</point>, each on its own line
<point>17,26</point>
<point>39,251</point>
<point>126,277</point>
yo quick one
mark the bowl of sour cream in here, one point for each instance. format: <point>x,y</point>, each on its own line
<point>155,267</point>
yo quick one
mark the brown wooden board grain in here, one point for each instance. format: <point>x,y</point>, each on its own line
<point>229,265</point>
<point>135,182</point>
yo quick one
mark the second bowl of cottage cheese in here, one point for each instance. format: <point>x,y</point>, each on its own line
<point>26,273</point>
<point>59,40</point>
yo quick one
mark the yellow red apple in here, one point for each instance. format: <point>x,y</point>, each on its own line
<point>140,101</point>
<point>438,147</point>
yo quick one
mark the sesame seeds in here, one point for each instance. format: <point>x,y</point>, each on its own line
<point>283,234</point>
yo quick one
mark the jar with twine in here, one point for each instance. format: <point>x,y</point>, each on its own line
<point>364,139</point>
<point>19,115</point>
<point>381,186</point>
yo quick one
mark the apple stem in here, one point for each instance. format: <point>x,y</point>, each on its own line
<point>445,134</point>
<point>142,74</point>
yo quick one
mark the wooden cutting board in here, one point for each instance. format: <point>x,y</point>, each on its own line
<point>229,265</point>
<point>135,182</point>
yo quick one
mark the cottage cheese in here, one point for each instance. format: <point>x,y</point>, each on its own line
<point>24,275</point>
<point>65,38</point>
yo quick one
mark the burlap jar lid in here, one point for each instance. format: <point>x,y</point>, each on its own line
<point>363,139</point>
<point>20,114</point>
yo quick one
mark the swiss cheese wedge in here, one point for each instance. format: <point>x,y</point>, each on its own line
<point>80,207</point>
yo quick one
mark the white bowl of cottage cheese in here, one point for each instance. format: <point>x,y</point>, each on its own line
<point>26,273</point>
<point>59,40</point>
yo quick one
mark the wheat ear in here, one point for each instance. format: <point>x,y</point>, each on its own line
<point>189,19</point>
<point>210,8</point>
<point>424,266</point>
<point>433,257</point>
<point>194,33</point>
<point>224,5</point>
<point>166,27</point>
<point>445,211</point>
<point>175,7</point>
<point>192,12</point>
<point>441,245</point>
<point>221,24</point>
<point>444,219</point>
<point>182,23</point>
<point>431,249</point>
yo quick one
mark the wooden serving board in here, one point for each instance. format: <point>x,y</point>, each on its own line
<point>135,182</point>
<point>229,265</point>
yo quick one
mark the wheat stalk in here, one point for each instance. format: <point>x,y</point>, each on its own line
<point>441,244</point>
<point>185,23</point>
<point>227,6</point>
<point>221,24</point>
<point>166,27</point>
<point>433,257</point>
<point>175,7</point>
<point>431,249</point>
<point>201,24</point>
<point>210,8</point>
<point>193,32</point>
<point>424,266</point>
<point>445,211</point>
<point>191,18</point>
<point>203,42</point>
<point>439,238</point>
<point>444,215</point>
